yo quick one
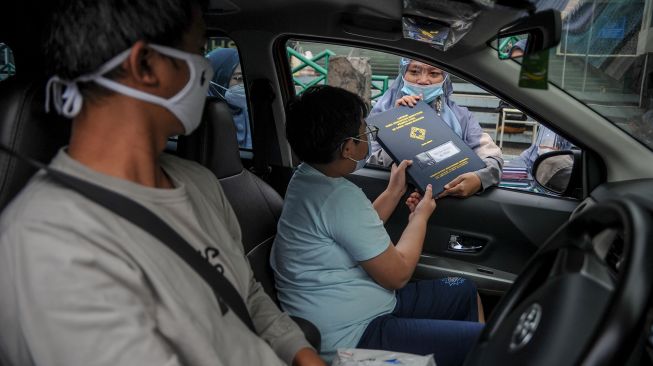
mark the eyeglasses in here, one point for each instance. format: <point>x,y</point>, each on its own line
<point>370,131</point>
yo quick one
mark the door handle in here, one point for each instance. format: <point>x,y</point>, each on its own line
<point>460,244</point>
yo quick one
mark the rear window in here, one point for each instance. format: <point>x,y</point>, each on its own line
<point>228,84</point>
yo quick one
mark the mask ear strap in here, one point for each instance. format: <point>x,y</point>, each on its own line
<point>342,145</point>
<point>67,102</point>
<point>65,94</point>
<point>213,85</point>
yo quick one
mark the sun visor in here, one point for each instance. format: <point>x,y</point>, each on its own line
<point>441,23</point>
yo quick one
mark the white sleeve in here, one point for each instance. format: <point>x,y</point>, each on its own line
<point>378,156</point>
<point>491,154</point>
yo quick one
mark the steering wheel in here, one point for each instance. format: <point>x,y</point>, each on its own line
<point>578,301</point>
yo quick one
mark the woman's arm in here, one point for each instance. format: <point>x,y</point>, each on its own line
<point>491,155</point>
<point>468,184</point>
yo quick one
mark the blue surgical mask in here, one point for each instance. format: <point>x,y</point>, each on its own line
<point>360,164</point>
<point>428,92</point>
<point>234,95</point>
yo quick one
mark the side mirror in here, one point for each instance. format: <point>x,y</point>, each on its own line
<point>559,172</point>
<point>529,35</point>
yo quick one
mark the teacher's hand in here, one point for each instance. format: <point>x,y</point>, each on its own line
<point>408,100</point>
<point>464,185</point>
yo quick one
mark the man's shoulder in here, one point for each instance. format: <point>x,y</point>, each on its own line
<point>189,168</point>
<point>41,201</point>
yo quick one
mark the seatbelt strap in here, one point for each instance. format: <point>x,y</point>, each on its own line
<point>139,215</point>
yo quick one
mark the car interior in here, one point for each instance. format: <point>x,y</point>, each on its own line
<point>578,261</point>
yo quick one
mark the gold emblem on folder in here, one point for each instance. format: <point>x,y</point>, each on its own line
<point>417,133</point>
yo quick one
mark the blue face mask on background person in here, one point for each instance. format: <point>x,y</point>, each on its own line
<point>186,105</point>
<point>234,95</point>
<point>428,92</point>
<point>236,99</point>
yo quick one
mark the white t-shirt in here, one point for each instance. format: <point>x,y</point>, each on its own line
<point>80,285</point>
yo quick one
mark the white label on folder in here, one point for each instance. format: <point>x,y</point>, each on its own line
<point>444,151</point>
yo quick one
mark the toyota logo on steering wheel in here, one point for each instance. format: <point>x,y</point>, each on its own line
<point>526,327</point>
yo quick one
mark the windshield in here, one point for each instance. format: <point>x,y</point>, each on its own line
<point>603,60</point>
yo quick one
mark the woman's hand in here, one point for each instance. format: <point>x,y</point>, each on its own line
<point>397,183</point>
<point>421,206</point>
<point>408,100</point>
<point>464,185</point>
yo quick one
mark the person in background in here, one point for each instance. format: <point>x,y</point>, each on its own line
<point>333,260</point>
<point>227,84</point>
<point>554,173</point>
<point>518,49</point>
<point>545,141</point>
<point>420,81</point>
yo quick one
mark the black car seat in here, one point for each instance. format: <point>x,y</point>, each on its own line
<point>25,127</point>
<point>256,204</point>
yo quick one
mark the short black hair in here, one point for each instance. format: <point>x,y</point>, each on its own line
<point>319,120</point>
<point>84,34</point>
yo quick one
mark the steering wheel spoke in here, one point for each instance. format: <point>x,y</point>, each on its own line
<point>570,260</point>
<point>575,303</point>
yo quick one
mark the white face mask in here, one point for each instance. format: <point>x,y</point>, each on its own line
<point>187,105</point>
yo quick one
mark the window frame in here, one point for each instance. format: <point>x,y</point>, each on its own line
<point>288,89</point>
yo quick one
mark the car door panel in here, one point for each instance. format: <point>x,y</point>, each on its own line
<point>509,225</point>
<point>489,280</point>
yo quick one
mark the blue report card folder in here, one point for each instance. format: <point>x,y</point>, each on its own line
<point>417,133</point>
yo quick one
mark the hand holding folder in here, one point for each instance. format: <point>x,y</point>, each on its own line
<point>417,133</point>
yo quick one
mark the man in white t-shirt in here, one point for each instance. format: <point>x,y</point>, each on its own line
<point>80,285</point>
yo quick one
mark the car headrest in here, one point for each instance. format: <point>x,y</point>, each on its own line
<point>214,143</point>
<point>26,129</point>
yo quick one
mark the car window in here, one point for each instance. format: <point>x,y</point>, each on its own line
<point>603,61</point>
<point>228,85</point>
<point>7,66</point>
<point>370,74</point>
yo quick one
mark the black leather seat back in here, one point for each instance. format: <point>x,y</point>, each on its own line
<point>256,204</point>
<point>27,129</point>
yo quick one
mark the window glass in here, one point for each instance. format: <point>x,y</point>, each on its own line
<point>228,85</point>
<point>603,61</point>
<point>7,66</point>
<point>311,62</point>
<point>371,74</point>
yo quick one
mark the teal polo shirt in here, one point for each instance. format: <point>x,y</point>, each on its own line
<point>327,227</point>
